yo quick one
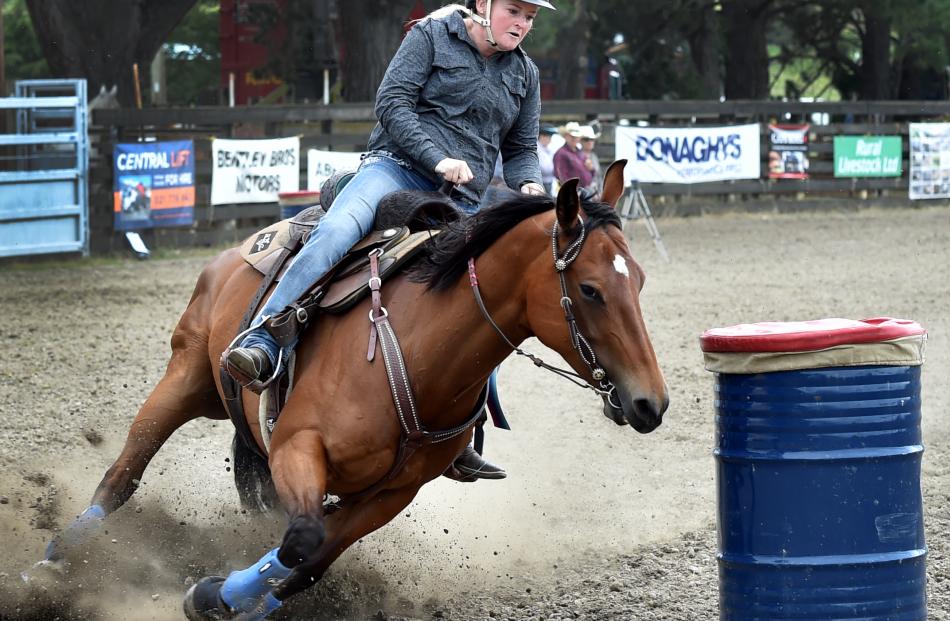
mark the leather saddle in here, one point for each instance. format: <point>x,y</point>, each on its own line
<point>405,221</point>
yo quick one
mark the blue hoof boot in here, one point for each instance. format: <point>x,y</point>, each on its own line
<point>203,601</point>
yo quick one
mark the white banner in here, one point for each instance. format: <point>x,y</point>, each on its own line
<point>322,164</point>
<point>929,160</point>
<point>254,171</point>
<point>689,154</point>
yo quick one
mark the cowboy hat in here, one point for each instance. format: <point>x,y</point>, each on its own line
<point>587,133</point>
<point>572,128</point>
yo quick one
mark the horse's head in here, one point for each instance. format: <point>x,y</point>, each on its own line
<point>599,286</point>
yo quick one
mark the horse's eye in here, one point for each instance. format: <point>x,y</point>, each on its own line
<point>591,293</point>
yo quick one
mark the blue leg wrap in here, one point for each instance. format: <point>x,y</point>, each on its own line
<point>243,590</point>
<point>266,606</point>
<point>78,531</point>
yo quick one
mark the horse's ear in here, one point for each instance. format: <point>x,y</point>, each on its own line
<point>568,205</point>
<point>613,183</point>
<point>115,89</point>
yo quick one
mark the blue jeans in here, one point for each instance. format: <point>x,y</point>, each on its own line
<point>348,221</point>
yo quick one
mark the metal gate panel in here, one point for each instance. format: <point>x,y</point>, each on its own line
<point>44,186</point>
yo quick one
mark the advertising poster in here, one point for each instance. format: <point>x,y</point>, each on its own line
<point>253,171</point>
<point>788,157</point>
<point>868,156</point>
<point>929,160</point>
<point>689,154</point>
<point>321,165</point>
<point>154,185</point>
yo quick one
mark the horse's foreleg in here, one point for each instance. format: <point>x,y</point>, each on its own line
<point>344,528</point>
<point>186,392</point>
<point>261,589</point>
<point>299,470</point>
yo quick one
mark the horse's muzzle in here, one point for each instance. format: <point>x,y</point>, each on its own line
<point>642,413</point>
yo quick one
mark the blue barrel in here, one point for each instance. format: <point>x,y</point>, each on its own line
<point>818,452</point>
<point>292,203</point>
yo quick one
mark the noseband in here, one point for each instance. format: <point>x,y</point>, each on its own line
<point>578,341</point>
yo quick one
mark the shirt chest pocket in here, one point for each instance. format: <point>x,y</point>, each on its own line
<point>451,84</point>
<point>515,85</point>
<point>512,91</point>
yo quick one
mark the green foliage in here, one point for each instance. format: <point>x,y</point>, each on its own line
<point>193,58</point>
<point>655,59</point>
<point>814,47</point>
<point>24,58</point>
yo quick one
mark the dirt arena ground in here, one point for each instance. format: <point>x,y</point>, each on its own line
<point>594,522</point>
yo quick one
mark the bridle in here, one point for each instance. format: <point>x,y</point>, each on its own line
<point>561,262</point>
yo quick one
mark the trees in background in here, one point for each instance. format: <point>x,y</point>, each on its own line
<point>676,49</point>
<point>99,41</point>
<point>370,34</point>
<point>22,53</point>
<point>193,58</point>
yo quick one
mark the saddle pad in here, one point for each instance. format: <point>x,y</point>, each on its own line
<point>264,244</point>
<point>262,249</point>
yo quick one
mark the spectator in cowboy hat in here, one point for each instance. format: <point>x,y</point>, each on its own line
<point>546,157</point>
<point>591,161</point>
<point>569,159</point>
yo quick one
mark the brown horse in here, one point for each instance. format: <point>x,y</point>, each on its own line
<point>339,430</point>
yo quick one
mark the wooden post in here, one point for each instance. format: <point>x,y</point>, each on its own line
<point>3,58</point>
<point>138,88</point>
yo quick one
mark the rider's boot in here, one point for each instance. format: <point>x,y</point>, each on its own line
<point>250,366</point>
<point>473,466</point>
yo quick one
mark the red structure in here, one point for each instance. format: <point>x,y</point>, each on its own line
<point>244,57</point>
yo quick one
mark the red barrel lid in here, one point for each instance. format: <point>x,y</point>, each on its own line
<point>300,194</point>
<point>792,336</point>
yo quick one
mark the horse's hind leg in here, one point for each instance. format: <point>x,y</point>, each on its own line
<point>187,391</point>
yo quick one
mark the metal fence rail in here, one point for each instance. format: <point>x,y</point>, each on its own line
<point>43,187</point>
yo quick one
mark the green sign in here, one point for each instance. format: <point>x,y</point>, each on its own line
<point>867,156</point>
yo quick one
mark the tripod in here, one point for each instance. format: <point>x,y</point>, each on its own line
<point>635,206</point>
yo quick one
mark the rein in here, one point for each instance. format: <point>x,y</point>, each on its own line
<point>578,341</point>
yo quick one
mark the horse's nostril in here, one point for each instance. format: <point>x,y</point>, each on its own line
<point>644,409</point>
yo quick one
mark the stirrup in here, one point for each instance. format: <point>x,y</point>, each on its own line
<point>250,383</point>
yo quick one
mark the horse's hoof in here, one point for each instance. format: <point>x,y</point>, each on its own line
<point>45,574</point>
<point>203,601</point>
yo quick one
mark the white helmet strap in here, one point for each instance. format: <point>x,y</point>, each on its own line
<point>484,22</point>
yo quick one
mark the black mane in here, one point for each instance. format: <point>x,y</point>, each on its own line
<point>447,254</point>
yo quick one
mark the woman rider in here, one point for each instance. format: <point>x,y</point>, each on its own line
<point>458,91</point>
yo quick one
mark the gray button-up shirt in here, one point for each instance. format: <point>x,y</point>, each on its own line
<point>441,98</point>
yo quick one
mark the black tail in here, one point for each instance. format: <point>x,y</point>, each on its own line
<point>252,478</point>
